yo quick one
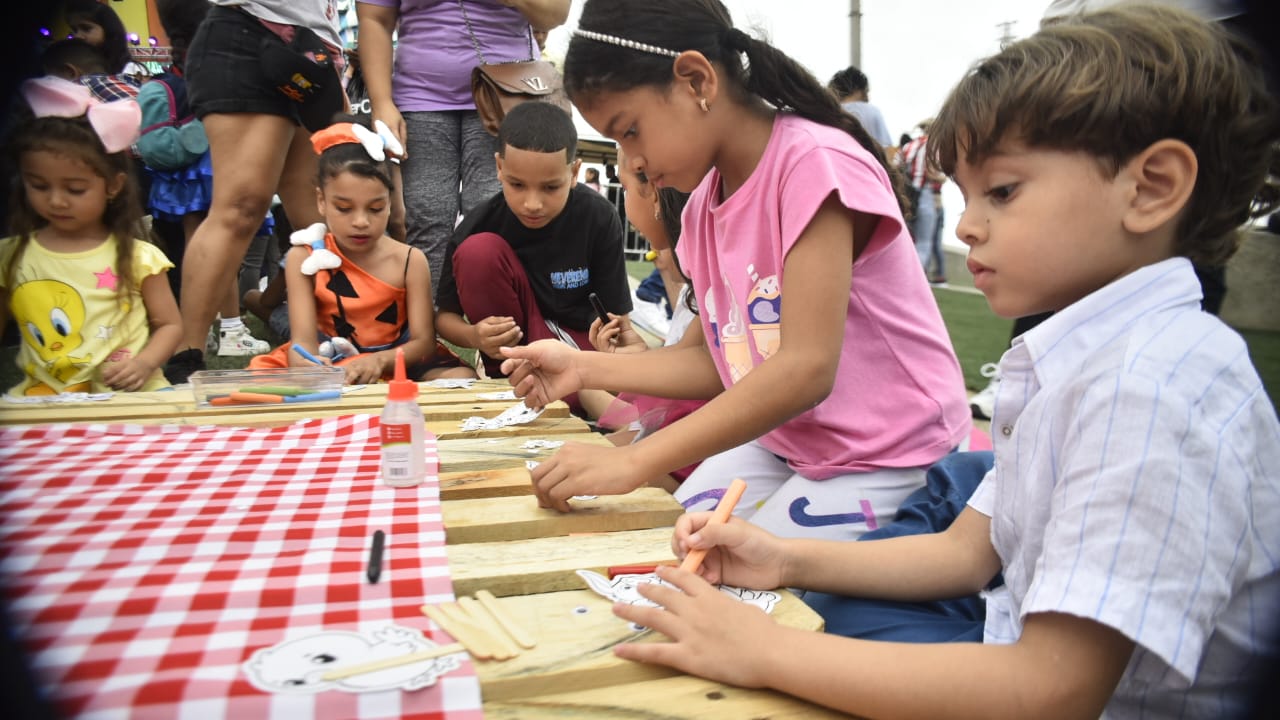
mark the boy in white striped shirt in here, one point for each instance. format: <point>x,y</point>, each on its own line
<point>1134,506</point>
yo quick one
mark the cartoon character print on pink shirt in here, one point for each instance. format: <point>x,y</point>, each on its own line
<point>764,313</point>
<point>762,334</point>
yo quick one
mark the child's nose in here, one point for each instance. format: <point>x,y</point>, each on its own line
<point>969,229</point>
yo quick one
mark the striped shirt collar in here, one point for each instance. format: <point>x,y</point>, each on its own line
<point>1059,345</point>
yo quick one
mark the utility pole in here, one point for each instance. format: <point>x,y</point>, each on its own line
<point>855,32</point>
<point>1006,32</point>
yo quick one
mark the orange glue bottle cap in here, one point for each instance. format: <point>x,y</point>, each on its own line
<point>401,388</point>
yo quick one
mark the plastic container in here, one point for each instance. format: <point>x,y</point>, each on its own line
<point>404,448</point>
<point>275,385</point>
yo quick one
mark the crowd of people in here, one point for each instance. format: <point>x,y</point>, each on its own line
<point>1102,560</point>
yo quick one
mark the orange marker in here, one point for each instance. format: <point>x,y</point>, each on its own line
<point>693,560</point>
<point>255,397</point>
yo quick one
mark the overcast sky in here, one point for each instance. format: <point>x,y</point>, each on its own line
<point>913,51</point>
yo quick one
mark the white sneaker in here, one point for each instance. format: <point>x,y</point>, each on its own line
<point>239,343</point>
<point>211,341</point>
<point>982,404</point>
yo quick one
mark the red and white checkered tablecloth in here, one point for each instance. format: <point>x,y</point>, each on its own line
<point>143,564</point>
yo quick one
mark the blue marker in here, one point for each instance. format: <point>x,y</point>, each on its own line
<point>306,355</point>
<point>322,395</point>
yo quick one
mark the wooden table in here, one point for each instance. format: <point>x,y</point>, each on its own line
<point>500,541</point>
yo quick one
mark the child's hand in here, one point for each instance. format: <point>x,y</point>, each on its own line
<point>495,332</point>
<point>738,553</point>
<point>619,335</point>
<point>126,375</point>
<point>580,469</point>
<point>541,372</point>
<point>362,369</point>
<point>712,635</point>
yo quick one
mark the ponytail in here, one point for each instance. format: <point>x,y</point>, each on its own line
<point>774,77</point>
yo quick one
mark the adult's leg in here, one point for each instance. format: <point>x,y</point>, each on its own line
<point>935,245</point>
<point>248,153</point>
<point>922,227</point>
<point>430,176</point>
<point>478,171</point>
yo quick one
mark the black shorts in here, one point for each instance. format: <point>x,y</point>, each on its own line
<point>226,72</point>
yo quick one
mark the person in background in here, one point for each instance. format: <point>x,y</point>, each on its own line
<point>809,293</point>
<point>851,88</point>
<point>593,180</point>
<point>1132,509</point>
<point>91,299</point>
<point>258,76</point>
<point>77,60</point>
<point>521,266</point>
<point>655,213</point>
<point>926,188</point>
<point>424,96</point>
<point>356,295</point>
<point>97,24</point>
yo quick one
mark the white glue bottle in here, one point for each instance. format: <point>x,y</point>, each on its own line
<point>403,431</point>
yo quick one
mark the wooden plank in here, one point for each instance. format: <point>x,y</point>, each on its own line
<point>499,450</point>
<point>470,485</point>
<point>682,696</point>
<point>541,565</point>
<point>575,632</point>
<point>179,406</point>
<point>520,518</point>
<point>444,420</point>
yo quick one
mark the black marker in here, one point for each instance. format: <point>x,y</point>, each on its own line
<point>599,306</point>
<point>375,556</point>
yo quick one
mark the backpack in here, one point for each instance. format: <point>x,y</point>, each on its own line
<point>172,137</point>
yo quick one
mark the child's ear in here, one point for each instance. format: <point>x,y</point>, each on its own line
<point>695,75</point>
<point>320,201</point>
<point>116,185</point>
<point>574,167</point>
<point>1163,177</point>
<point>497,163</point>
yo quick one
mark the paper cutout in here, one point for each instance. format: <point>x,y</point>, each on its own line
<point>451,383</point>
<point>66,397</point>
<point>515,415</point>
<point>500,395</point>
<point>296,666</point>
<point>540,444</point>
<point>623,588</point>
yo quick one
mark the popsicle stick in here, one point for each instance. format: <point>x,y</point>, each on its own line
<point>385,663</point>
<point>471,638</point>
<point>498,646</point>
<point>490,603</point>
<point>481,618</point>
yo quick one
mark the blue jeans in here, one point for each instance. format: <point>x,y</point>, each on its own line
<point>925,231</point>
<point>931,509</point>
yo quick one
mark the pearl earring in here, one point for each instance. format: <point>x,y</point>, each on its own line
<point>702,103</point>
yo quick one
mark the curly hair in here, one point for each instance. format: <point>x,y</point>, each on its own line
<point>1111,84</point>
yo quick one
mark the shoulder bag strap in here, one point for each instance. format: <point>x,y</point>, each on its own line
<point>476,43</point>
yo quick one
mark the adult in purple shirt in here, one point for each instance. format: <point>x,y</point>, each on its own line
<point>426,98</point>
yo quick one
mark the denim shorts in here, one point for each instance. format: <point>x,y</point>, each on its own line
<point>225,71</point>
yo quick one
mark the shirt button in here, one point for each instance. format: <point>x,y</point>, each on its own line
<point>1006,430</point>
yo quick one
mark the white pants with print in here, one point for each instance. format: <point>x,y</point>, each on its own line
<point>789,505</point>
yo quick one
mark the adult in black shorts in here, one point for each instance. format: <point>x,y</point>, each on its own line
<point>259,73</point>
